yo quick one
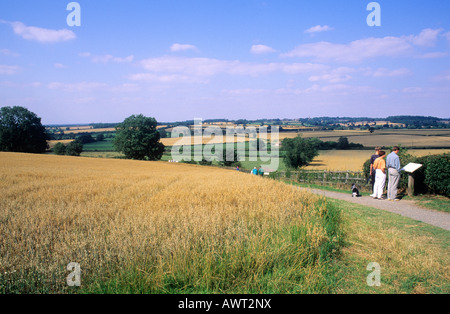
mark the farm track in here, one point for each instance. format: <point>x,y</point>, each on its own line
<point>403,208</point>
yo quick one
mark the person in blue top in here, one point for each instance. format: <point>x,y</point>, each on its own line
<point>261,171</point>
<point>393,166</point>
<point>255,171</point>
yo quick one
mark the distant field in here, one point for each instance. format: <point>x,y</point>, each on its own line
<point>88,130</point>
<point>353,160</point>
<point>406,138</point>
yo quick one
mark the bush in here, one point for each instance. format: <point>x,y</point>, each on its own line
<point>75,148</point>
<point>435,175</point>
<point>299,152</point>
<point>59,149</point>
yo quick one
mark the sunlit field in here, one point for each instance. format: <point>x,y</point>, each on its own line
<point>158,227</point>
<point>353,160</point>
<point>406,138</point>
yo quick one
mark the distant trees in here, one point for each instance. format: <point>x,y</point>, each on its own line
<point>138,138</point>
<point>299,151</point>
<point>59,149</point>
<point>74,148</point>
<point>21,131</point>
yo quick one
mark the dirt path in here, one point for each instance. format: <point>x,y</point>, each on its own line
<point>404,208</point>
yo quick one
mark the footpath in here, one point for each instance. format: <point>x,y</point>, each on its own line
<point>403,207</point>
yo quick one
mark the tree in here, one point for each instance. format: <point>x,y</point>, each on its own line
<point>85,139</point>
<point>230,158</point>
<point>59,149</point>
<point>74,148</point>
<point>21,131</point>
<point>100,137</point>
<point>343,143</point>
<point>299,151</point>
<point>137,138</point>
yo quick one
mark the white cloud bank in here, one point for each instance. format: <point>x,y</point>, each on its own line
<point>39,34</point>
<point>367,48</point>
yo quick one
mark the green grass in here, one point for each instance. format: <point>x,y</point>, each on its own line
<point>434,202</point>
<point>413,256</point>
<point>103,146</point>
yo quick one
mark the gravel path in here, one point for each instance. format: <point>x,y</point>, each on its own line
<point>404,208</point>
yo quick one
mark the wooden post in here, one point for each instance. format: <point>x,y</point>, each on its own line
<point>411,185</point>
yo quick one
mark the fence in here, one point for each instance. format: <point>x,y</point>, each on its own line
<point>324,177</point>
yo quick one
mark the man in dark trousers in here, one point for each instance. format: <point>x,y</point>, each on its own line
<point>372,170</point>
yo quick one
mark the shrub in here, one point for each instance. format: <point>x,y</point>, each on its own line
<point>435,175</point>
<point>59,149</point>
<point>75,148</point>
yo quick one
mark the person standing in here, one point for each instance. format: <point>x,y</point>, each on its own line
<point>380,176</point>
<point>372,170</point>
<point>393,166</point>
<point>261,171</point>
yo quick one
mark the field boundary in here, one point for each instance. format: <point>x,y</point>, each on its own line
<point>324,177</point>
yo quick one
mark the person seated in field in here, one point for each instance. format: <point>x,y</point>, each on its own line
<point>380,175</point>
<point>254,171</point>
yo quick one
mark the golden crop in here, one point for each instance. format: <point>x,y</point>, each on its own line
<point>160,219</point>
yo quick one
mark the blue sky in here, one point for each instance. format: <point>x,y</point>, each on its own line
<point>179,60</point>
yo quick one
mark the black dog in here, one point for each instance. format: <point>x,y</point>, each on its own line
<point>355,191</point>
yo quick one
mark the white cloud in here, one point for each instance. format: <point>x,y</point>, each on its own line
<point>338,75</point>
<point>319,29</point>
<point>383,72</point>
<point>60,66</point>
<point>42,35</point>
<point>206,67</point>
<point>356,51</point>
<point>261,49</point>
<point>410,90</point>
<point>8,52</point>
<point>8,69</point>
<point>426,38</point>
<point>182,47</point>
<point>165,78</point>
<point>367,48</point>
<point>447,35</point>
<point>106,58</point>
<point>433,55</point>
<point>77,87</point>
<point>445,76</point>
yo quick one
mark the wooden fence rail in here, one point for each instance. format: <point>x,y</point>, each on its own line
<point>324,177</point>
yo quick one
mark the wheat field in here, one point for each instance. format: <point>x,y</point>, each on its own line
<point>154,227</point>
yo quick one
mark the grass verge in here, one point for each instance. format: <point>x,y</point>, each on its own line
<point>413,256</point>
